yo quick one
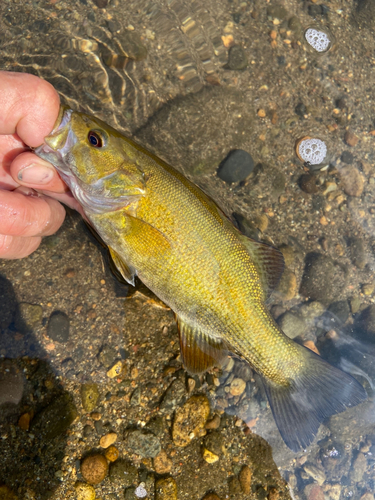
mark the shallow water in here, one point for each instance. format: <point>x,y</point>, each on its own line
<point>165,72</point>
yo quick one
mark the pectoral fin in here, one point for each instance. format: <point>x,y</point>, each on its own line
<point>127,272</point>
<point>199,350</point>
<point>268,260</point>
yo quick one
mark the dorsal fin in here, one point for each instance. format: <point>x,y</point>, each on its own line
<point>199,350</point>
<point>268,260</point>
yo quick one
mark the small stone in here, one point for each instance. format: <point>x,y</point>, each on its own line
<point>55,419</point>
<point>261,222</point>
<point>190,420</point>
<point>211,496</point>
<point>162,464</point>
<point>300,110</point>
<point>84,491</point>
<point>11,383</point>
<point>94,468</point>
<point>350,138</point>
<point>214,423</point>
<point>95,415</point>
<point>314,492</point>
<point>277,12</point>
<point>116,370</point>
<point>107,356</point>
<point>124,472</point>
<point>7,494</point>
<point>368,289</point>
<point>108,439</point>
<point>236,167</point>
<point>288,254</point>
<point>112,453</point>
<point>237,387</point>
<point>237,59</point>
<point>287,286</point>
<point>58,327</point>
<point>209,456</point>
<point>358,254</point>
<point>359,467</point>
<point>102,4</point>
<point>145,445</point>
<point>317,473</point>
<point>166,489</point>
<point>89,396</point>
<point>310,345</point>
<point>347,157</point>
<point>308,183</point>
<point>245,479</point>
<point>292,325</point>
<point>353,181</point>
<point>234,487</point>
<point>213,444</point>
<point>355,304</point>
<point>28,317</point>
<point>261,113</point>
<point>24,422</point>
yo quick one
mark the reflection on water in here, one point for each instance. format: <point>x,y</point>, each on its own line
<point>193,81</point>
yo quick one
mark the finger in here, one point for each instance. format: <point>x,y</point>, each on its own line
<point>24,212</point>
<point>10,147</point>
<point>29,107</point>
<point>16,247</point>
<point>66,198</point>
<point>29,170</point>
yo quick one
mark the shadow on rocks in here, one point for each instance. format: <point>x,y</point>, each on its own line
<point>35,411</point>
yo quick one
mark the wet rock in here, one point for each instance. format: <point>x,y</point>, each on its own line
<point>94,468</point>
<point>300,110</point>
<point>237,59</point>
<point>7,494</point>
<point>292,325</point>
<point>288,254</point>
<point>84,491</point>
<point>315,10</point>
<point>58,327</point>
<point>88,431</point>
<point>287,287</point>
<point>340,311</point>
<point>124,472</point>
<point>234,487</point>
<point>89,396</point>
<point>355,304</point>
<point>237,387</point>
<point>366,320</point>
<point>135,398</point>
<point>347,157</point>
<point>211,496</point>
<point>166,489</point>
<point>190,420</point>
<point>107,356</point>
<point>350,138</point>
<point>56,418</point>
<point>359,467</point>
<point>145,445</point>
<point>309,312</point>
<point>102,4</point>
<point>308,183</point>
<point>108,439</point>
<point>11,383</point>
<point>236,166</point>
<point>314,492</point>
<point>323,279</point>
<point>112,453</point>
<point>115,370</point>
<point>162,464</point>
<point>212,443</point>
<point>28,317</point>
<point>245,479</point>
<point>173,395</point>
<point>357,251</point>
<point>214,423</point>
<point>317,473</point>
<point>352,180</point>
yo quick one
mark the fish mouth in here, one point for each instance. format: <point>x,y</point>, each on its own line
<point>59,143</point>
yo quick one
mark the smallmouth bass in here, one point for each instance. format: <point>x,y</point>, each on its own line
<point>162,228</point>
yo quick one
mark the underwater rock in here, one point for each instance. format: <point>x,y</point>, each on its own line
<point>123,471</point>
<point>89,396</point>
<point>236,166</point>
<point>28,317</point>
<point>58,327</point>
<point>142,444</point>
<point>94,468</point>
<point>190,420</point>
<point>237,59</point>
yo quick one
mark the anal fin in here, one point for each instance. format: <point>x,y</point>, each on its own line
<point>127,272</point>
<point>199,350</point>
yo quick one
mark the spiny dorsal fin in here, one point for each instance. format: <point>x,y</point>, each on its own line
<point>127,272</point>
<point>268,260</point>
<point>199,350</point>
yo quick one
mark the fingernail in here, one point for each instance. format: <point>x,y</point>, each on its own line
<point>36,174</point>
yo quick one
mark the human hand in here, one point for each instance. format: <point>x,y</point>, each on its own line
<point>28,110</point>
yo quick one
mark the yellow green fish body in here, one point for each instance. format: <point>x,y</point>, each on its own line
<point>164,229</point>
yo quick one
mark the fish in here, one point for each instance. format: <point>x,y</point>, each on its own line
<point>163,229</point>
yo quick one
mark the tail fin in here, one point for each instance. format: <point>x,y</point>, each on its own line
<point>320,391</point>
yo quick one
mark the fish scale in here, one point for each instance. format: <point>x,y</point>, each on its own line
<point>164,229</point>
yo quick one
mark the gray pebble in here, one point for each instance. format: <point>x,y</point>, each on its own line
<point>292,325</point>
<point>58,327</point>
<point>236,166</point>
<point>357,252</point>
<point>347,157</point>
<point>11,383</point>
<point>123,471</point>
<point>107,356</point>
<point>173,395</point>
<point>237,59</point>
<point>145,445</point>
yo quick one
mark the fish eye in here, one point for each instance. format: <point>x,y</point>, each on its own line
<point>95,139</point>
